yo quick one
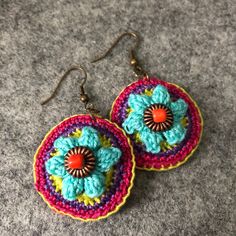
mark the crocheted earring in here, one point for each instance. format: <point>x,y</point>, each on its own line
<point>84,166</point>
<point>162,120</point>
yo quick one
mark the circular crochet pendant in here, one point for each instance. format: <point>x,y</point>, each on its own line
<point>84,167</point>
<point>162,120</point>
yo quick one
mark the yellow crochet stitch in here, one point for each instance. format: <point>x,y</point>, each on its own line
<point>55,153</point>
<point>137,138</point>
<point>128,110</point>
<point>184,121</point>
<point>105,142</point>
<point>57,183</point>
<point>76,134</point>
<point>87,200</point>
<point>148,92</point>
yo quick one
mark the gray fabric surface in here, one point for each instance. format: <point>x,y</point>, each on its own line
<point>191,43</point>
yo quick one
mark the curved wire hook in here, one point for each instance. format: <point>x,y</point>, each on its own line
<point>83,96</point>
<point>72,68</point>
<point>132,34</point>
<point>138,70</point>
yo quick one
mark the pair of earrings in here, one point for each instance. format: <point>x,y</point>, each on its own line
<point>85,165</point>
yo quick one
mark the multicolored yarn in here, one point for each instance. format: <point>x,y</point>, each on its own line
<point>94,184</point>
<point>135,122</point>
<point>107,189</point>
<point>158,150</point>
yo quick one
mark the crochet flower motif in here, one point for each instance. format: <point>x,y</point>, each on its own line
<point>156,118</point>
<point>81,164</point>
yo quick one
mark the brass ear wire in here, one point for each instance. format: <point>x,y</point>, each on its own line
<point>138,70</point>
<point>116,42</point>
<point>83,96</point>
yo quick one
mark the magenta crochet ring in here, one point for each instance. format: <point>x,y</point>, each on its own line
<point>101,187</point>
<point>169,155</point>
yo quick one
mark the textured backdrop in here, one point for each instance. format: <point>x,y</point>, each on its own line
<point>191,43</point>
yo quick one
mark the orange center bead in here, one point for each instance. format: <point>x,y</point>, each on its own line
<point>159,115</point>
<point>76,161</point>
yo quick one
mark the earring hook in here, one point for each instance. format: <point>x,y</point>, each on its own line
<point>138,70</point>
<point>83,96</point>
<point>132,34</point>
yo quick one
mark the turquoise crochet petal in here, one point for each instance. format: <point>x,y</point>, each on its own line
<point>161,95</point>
<point>139,103</point>
<point>94,184</point>
<point>89,138</point>
<point>175,135</point>
<point>64,144</point>
<point>179,109</point>
<point>72,187</point>
<point>55,166</point>
<point>134,122</point>
<point>151,140</point>
<point>106,158</point>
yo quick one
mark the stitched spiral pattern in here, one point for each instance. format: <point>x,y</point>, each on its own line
<point>122,179</point>
<point>175,156</point>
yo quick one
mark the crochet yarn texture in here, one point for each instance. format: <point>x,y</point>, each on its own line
<point>162,120</point>
<point>135,122</point>
<point>94,184</point>
<point>62,172</point>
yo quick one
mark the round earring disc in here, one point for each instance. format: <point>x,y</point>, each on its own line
<point>170,156</point>
<point>118,180</point>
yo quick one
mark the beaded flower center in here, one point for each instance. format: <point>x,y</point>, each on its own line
<point>79,162</point>
<point>76,161</point>
<point>158,117</point>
